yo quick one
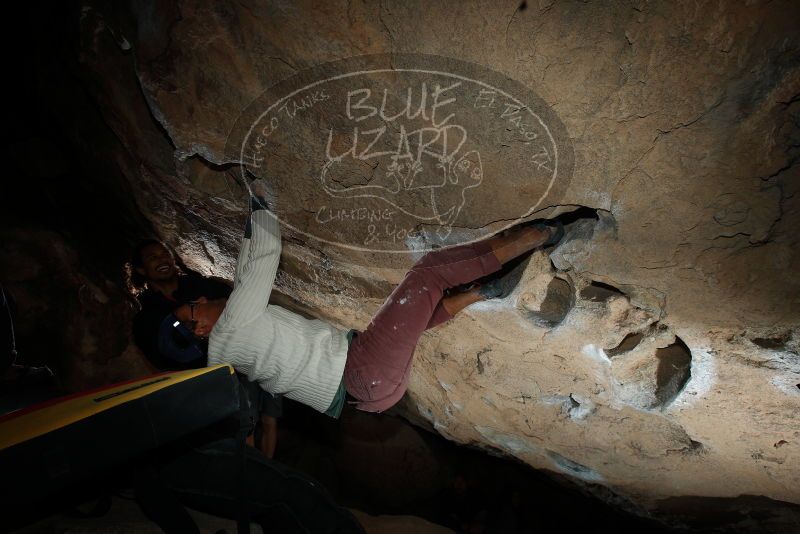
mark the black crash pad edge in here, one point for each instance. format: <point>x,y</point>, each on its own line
<point>49,463</point>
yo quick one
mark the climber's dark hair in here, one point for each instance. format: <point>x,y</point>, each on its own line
<point>135,280</point>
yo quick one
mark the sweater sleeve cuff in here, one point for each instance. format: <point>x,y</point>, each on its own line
<point>257,203</point>
<point>266,233</point>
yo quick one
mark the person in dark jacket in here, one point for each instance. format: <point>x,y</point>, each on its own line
<point>160,288</point>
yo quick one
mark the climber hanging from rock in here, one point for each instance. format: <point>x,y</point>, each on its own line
<point>312,361</point>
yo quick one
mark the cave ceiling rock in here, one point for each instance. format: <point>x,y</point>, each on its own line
<point>654,352</point>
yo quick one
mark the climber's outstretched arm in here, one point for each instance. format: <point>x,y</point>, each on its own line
<point>255,269</point>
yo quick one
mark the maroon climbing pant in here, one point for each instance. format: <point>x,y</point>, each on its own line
<point>379,359</point>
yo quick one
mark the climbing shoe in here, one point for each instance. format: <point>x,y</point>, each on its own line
<point>502,286</point>
<point>491,289</point>
<point>556,230</point>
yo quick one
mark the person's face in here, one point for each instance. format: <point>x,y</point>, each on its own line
<point>157,263</point>
<point>201,315</point>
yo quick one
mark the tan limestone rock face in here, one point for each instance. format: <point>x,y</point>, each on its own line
<point>655,350</point>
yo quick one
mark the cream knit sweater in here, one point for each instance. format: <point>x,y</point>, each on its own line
<point>284,352</point>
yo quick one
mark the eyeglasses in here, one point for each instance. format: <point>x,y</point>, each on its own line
<point>192,323</point>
